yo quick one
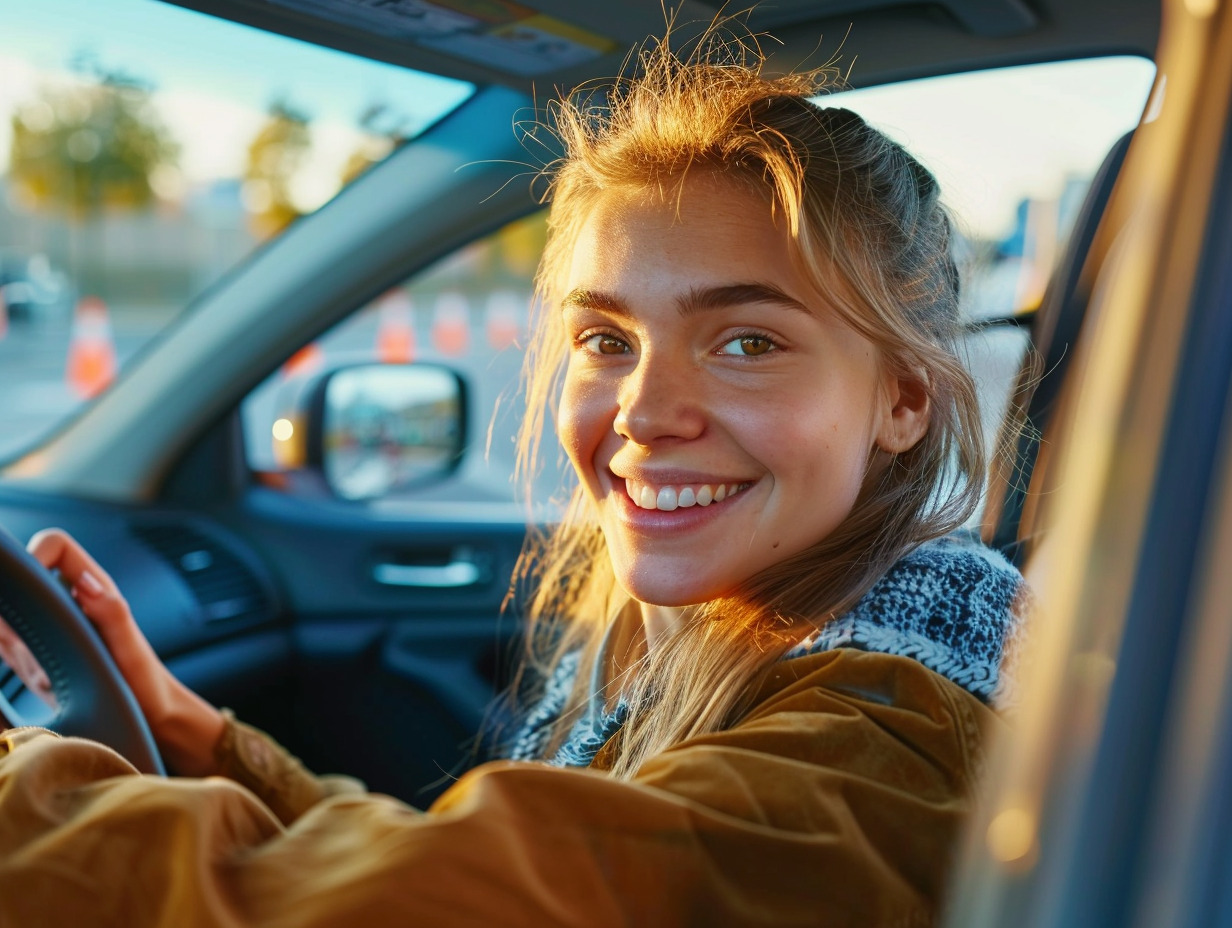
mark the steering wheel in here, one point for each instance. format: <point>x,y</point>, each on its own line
<point>94,699</point>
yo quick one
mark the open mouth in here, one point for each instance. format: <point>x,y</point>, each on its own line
<point>668,497</point>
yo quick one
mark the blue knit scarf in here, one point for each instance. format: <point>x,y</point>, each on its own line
<point>950,604</point>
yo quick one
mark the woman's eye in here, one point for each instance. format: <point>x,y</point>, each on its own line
<point>748,346</point>
<point>605,344</point>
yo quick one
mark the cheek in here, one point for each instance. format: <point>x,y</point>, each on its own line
<point>821,454</point>
<point>585,418</point>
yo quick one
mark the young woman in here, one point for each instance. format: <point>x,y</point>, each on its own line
<point>764,673</point>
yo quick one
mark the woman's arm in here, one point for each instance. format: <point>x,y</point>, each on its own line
<point>838,801</point>
<point>194,737</point>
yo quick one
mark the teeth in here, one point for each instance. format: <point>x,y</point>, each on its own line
<point>647,498</point>
<point>668,498</point>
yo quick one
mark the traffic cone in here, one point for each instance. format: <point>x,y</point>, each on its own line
<point>304,362</point>
<point>91,350</point>
<point>503,326</point>
<point>395,335</point>
<point>451,331</point>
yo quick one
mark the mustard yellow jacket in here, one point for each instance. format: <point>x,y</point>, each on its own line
<point>836,801</point>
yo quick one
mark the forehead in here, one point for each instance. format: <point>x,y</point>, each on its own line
<point>698,229</point>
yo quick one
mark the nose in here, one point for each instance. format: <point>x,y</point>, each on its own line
<point>661,398</point>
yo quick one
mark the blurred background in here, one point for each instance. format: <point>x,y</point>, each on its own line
<point>145,151</point>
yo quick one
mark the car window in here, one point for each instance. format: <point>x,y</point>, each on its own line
<point>1014,150</point>
<point>145,150</point>
<point>469,312</point>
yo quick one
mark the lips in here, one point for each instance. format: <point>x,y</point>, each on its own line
<point>668,497</point>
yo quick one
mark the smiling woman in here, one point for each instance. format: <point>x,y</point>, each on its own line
<point>768,675</point>
<point>763,310</point>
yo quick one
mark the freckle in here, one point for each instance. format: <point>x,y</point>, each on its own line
<point>776,544</point>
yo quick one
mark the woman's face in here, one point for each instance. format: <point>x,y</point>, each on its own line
<point>718,413</point>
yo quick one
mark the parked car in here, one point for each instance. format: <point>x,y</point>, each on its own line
<point>30,289</point>
<point>371,602</point>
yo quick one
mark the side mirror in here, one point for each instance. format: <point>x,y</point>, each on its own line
<point>378,429</point>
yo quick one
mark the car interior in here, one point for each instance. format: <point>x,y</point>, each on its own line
<point>370,631</point>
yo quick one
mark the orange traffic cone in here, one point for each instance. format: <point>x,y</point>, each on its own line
<point>304,362</point>
<point>451,332</point>
<point>502,319</point>
<point>395,336</point>
<point>91,350</point>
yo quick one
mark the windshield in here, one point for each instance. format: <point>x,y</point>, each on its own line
<point>145,150</point>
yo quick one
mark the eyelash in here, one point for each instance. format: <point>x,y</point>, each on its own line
<point>583,340</point>
<point>772,345</point>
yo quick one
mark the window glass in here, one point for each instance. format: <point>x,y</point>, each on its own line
<point>1014,150</point>
<point>470,312</point>
<point>145,149</point>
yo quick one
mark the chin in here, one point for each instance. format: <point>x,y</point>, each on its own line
<point>671,594</point>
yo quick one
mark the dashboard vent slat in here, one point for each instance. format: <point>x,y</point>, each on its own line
<point>223,586</point>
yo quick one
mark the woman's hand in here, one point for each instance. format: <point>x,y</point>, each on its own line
<point>185,726</point>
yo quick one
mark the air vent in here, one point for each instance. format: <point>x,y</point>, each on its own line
<point>223,586</point>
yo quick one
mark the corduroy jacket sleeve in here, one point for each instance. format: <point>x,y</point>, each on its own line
<point>836,801</point>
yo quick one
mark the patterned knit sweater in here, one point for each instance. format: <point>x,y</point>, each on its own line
<point>952,604</point>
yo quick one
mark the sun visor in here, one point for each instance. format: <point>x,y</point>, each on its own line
<point>508,37</point>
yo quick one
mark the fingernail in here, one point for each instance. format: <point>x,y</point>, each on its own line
<point>90,583</point>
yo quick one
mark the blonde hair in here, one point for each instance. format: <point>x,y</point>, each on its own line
<point>857,205</point>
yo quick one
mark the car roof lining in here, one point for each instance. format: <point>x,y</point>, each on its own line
<point>886,40</point>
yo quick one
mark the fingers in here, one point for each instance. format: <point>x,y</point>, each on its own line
<point>89,584</point>
<point>55,549</point>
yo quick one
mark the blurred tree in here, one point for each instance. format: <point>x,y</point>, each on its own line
<point>274,155</point>
<point>84,148</point>
<point>384,130</point>
<point>521,243</point>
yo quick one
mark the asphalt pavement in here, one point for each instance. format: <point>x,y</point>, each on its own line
<point>35,395</point>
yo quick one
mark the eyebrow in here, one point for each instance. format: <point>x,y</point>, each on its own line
<point>696,300</point>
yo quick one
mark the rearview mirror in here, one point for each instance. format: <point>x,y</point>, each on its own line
<point>378,429</point>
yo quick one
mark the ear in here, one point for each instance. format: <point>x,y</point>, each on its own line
<point>905,415</point>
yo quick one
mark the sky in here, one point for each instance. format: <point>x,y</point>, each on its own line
<point>991,138</point>
<point>995,137</point>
